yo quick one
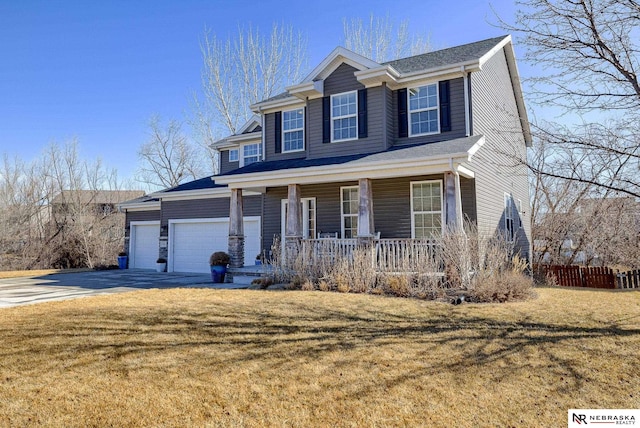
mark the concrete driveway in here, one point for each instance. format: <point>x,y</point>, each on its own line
<point>37,289</point>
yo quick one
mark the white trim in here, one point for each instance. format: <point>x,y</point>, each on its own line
<point>342,214</point>
<point>472,151</point>
<point>442,213</point>
<point>343,117</point>
<point>342,55</point>
<point>251,124</point>
<point>283,131</point>
<point>132,237</point>
<point>313,89</point>
<point>185,195</point>
<point>346,172</point>
<point>276,105</point>
<point>173,222</point>
<point>436,108</point>
<point>242,156</point>
<point>139,206</point>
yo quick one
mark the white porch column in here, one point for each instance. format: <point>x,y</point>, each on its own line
<point>450,201</point>
<point>236,229</point>
<point>366,227</point>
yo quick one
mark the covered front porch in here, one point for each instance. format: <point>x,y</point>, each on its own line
<point>393,202</point>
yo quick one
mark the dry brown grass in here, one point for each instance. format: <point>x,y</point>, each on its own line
<point>189,357</point>
<point>41,272</point>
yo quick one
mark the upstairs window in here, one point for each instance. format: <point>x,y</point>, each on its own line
<point>423,110</point>
<point>344,116</point>
<point>233,155</point>
<point>293,130</point>
<point>509,217</point>
<point>251,153</point>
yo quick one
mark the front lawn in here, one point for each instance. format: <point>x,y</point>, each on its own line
<point>190,357</point>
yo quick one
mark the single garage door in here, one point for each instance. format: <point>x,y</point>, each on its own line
<point>143,245</point>
<point>192,241</point>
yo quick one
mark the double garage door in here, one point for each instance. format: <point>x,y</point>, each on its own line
<point>192,241</point>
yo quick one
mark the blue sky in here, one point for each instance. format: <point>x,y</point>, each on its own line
<point>97,70</point>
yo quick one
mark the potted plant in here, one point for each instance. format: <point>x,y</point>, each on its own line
<point>161,264</point>
<point>258,259</point>
<point>122,260</point>
<point>218,262</point>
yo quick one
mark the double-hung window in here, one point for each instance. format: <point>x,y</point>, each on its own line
<point>251,153</point>
<point>344,116</point>
<point>293,130</point>
<point>233,155</point>
<point>423,110</point>
<point>426,209</point>
<point>349,201</point>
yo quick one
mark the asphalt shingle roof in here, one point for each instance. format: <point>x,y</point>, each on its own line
<point>444,57</point>
<point>202,183</point>
<point>442,148</point>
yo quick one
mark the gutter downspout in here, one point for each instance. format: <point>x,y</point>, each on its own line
<point>458,195</point>
<point>465,80</point>
<point>263,134</point>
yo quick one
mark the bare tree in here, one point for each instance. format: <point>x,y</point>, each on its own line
<point>381,39</point>
<point>241,70</point>
<point>168,158</point>
<point>589,54</point>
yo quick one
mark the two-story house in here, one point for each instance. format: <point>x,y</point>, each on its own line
<point>358,149</point>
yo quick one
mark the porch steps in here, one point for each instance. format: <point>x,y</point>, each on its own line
<point>246,274</point>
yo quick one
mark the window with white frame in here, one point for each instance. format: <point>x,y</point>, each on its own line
<point>344,116</point>
<point>233,155</point>
<point>509,217</point>
<point>251,153</point>
<point>423,110</point>
<point>520,213</point>
<point>293,130</point>
<point>426,209</point>
<point>349,201</point>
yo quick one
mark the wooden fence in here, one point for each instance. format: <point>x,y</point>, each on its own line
<point>592,277</point>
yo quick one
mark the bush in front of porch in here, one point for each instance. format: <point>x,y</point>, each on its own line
<point>460,266</point>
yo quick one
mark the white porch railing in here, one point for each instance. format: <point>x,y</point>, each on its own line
<point>387,255</point>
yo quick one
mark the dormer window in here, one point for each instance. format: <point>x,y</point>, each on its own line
<point>251,153</point>
<point>293,130</point>
<point>233,155</point>
<point>423,110</point>
<point>344,116</point>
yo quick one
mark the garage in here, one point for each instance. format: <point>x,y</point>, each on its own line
<point>143,244</point>
<point>191,242</point>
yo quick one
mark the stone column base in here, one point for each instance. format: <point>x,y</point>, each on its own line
<point>236,251</point>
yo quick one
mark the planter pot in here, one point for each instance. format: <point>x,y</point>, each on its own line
<point>122,262</point>
<point>217,273</point>
<point>258,262</point>
<point>160,267</point>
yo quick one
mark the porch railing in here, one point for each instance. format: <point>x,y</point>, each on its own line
<point>387,255</point>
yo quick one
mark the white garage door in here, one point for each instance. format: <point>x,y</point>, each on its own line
<point>192,241</point>
<point>143,243</point>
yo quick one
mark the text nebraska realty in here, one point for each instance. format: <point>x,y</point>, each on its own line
<point>605,419</point>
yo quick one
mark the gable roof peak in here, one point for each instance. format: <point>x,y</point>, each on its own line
<point>340,55</point>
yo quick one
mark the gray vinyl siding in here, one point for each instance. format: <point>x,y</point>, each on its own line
<point>141,216</point>
<point>496,117</point>
<point>390,113</point>
<point>207,208</point>
<point>270,141</point>
<point>343,80</point>
<point>391,206</point>
<point>458,128</point>
<point>225,165</point>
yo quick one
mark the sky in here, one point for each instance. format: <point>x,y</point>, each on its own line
<point>98,70</point>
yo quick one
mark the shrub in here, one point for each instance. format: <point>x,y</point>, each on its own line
<point>504,287</point>
<point>219,258</point>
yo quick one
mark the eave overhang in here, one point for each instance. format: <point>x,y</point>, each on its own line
<point>351,171</point>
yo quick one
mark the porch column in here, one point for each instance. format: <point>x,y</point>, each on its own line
<point>451,203</point>
<point>236,229</point>
<point>365,209</point>
<point>293,222</point>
